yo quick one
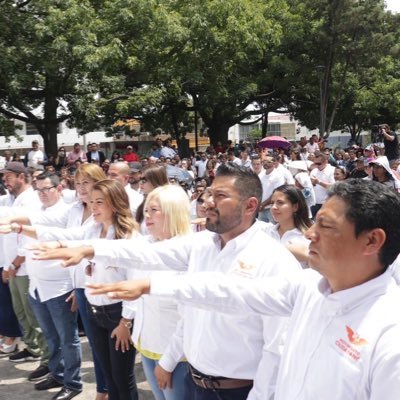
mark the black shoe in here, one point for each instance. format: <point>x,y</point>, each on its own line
<point>39,373</point>
<point>48,383</point>
<point>22,356</point>
<point>66,394</point>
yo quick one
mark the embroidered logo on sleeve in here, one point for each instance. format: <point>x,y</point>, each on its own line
<point>351,349</point>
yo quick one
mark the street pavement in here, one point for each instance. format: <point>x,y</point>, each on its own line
<point>14,384</point>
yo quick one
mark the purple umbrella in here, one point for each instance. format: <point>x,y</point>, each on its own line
<point>274,142</point>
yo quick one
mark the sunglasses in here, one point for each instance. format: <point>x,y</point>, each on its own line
<point>200,201</point>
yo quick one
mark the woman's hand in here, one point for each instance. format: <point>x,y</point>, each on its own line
<point>125,290</point>
<point>122,335</point>
<point>164,378</point>
<point>71,256</point>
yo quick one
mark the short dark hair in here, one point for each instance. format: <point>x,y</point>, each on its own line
<point>54,178</point>
<point>371,205</point>
<point>247,182</point>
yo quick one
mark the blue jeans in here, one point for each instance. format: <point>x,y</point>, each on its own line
<point>116,365</point>
<point>194,392</point>
<point>59,325</point>
<point>9,325</point>
<point>101,386</point>
<point>178,380</point>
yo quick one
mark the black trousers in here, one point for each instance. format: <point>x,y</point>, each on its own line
<point>118,367</point>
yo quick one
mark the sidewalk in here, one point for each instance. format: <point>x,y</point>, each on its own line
<point>15,386</point>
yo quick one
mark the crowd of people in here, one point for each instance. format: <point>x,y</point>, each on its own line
<point>240,272</point>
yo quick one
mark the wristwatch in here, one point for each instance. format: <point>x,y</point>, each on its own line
<point>13,267</point>
<point>126,322</point>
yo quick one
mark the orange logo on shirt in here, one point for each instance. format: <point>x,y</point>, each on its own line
<point>244,266</point>
<point>355,338</point>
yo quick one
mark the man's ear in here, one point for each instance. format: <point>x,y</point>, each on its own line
<point>252,205</point>
<point>375,239</point>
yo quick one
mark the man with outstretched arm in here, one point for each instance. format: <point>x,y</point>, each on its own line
<point>343,341</point>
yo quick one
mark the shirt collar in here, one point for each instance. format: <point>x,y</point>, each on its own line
<point>345,300</point>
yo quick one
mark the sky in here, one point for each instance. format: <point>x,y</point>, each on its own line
<point>393,5</point>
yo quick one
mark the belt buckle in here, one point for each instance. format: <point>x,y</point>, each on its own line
<point>207,383</point>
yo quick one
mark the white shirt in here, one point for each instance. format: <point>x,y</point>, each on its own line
<point>27,202</point>
<point>49,278</point>
<point>34,157</point>
<point>312,148</point>
<point>135,199</point>
<point>326,176</point>
<point>238,346</point>
<point>104,273</point>
<point>289,179</point>
<point>270,182</point>
<point>69,218</point>
<point>201,167</point>
<point>293,236</point>
<point>342,345</point>
<point>155,329</point>
<point>245,163</point>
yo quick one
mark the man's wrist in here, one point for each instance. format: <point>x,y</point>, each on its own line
<point>13,267</point>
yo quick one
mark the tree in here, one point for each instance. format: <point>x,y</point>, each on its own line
<point>346,37</point>
<point>202,56</point>
<point>45,47</point>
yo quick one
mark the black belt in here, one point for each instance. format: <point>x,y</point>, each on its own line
<point>108,307</point>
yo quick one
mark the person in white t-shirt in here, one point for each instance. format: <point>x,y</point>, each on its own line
<point>322,177</point>
<point>312,145</point>
<point>270,180</point>
<point>35,157</point>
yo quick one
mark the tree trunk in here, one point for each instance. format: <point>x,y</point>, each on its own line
<point>49,125</point>
<point>264,125</point>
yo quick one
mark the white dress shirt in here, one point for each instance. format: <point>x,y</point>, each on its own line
<point>135,199</point>
<point>342,345</point>
<point>55,230</point>
<point>238,346</point>
<point>28,203</point>
<point>49,278</point>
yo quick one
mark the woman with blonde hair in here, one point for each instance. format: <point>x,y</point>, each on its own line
<point>166,214</point>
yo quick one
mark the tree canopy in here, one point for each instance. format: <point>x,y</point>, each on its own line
<point>92,62</point>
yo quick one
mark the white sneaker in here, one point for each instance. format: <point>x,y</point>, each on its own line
<point>9,348</point>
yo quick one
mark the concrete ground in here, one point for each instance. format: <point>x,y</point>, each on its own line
<point>14,384</point>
